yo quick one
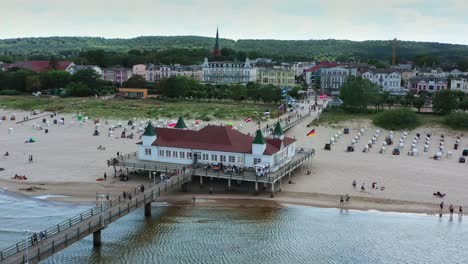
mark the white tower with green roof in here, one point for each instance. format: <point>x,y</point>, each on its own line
<point>180,124</point>
<point>149,136</point>
<point>278,132</point>
<point>259,144</point>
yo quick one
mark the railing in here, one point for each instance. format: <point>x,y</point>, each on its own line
<point>88,214</point>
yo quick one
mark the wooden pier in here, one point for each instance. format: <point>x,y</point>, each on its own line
<point>92,221</point>
<point>130,163</point>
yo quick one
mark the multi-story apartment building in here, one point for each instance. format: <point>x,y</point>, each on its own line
<point>139,69</point>
<point>459,84</point>
<point>427,83</point>
<point>155,73</point>
<point>228,72</point>
<point>276,75</point>
<point>312,75</point>
<point>117,75</point>
<point>387,79</point>
<point>332,78</point>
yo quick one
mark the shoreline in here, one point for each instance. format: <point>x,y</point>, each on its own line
<point>71,193</point>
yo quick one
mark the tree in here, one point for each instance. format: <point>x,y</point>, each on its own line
<point>294,92</point>
<point>33,83</point>
<point>238,92</point>
<point>267,93</point>
<point>444,102</point>
<point>55,79</point>
<point>463,104</point>
<point>175,87</point>
<point>253,91</point>
<point>419,102</point>
<point>277,92</point>
<point>408,99</point>
<point>87,76</point>
<point>358,93</point>
<point>136,81</point>
<point>78,89</point>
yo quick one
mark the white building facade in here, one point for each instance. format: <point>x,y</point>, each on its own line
<point>225,72</point>
<point>388,80</point>
<point>333,78</point>
<point>459,84</point>
<point>215,145</point>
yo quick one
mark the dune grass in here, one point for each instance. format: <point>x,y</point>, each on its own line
<point>150,108</point>
<point>337,116</point>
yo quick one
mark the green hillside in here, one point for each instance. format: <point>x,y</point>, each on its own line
<point>287,50</point>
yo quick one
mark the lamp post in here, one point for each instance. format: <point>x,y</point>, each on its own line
<point>154,178</point>
<point>26,232</point>
<point>102,196</point>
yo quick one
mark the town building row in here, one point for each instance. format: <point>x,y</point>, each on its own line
<point>326,76</point>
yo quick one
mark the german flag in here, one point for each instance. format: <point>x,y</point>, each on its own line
<point>311,133</point>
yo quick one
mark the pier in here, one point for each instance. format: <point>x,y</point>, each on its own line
<point>93,221</point>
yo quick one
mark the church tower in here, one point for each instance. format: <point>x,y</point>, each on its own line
<point>217,49</point>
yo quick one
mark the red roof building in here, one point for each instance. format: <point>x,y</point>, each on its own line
<point>215,144</point>
<point>42,66</point>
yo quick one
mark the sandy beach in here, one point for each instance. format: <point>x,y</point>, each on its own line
<point>66,162</point>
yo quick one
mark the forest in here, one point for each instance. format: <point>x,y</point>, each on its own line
<point>192,49</point>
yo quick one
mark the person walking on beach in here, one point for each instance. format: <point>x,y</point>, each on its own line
<point>347,198</point>
<point>105,176</point>
<point>142,188</point>
<point>441,206</point>
<point>451,209</point>
<point>193,200</point>
<point>460,211</point>
<point>129,196</point>
<point>107,196</point>
<point>35,238</point>
<point>341,200</point>
<point>362,187</point>
<point>124,195</point>
<point>97,197</point>
<point>354,184</point>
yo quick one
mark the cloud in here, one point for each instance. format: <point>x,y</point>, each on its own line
<point>422,20</point>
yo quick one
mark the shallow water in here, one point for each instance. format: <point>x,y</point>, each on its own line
<point>293,234</point>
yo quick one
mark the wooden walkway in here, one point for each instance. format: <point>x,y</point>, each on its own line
<point>92,221</point>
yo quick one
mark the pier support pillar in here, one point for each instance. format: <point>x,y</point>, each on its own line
<point>264,185</point>
<point>272,190</point>
<point>185,187</point>
<point>279,190</point>
<point>229,184</point>
<point>201,181</point>
<point>148,209</point>
<point>97,238</point>
<point>256,188</point>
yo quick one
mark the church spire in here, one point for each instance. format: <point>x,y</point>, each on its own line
<point>217,49</point>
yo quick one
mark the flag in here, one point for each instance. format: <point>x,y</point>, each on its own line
<point>247,119</point>
<point>281,107</point>
<point>311,133</point>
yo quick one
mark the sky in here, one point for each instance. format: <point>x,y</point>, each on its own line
<point>417,20</point>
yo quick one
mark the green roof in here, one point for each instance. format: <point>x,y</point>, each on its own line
<point>149,130</point>
<point>180,123</point>
<point>278,130</point>
<point>259,139</point>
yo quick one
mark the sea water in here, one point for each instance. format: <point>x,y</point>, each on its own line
<point>293,234</point>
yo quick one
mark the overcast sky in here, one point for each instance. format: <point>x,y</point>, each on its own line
<point>419,20</point>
